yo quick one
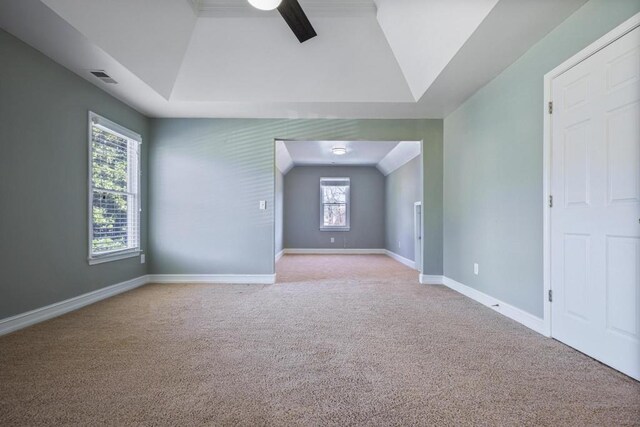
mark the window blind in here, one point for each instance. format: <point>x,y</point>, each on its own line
<point>114,190</point>
<point>334,204</point>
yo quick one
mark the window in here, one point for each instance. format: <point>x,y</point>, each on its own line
<point>114,191</point>
<point>334,204</point>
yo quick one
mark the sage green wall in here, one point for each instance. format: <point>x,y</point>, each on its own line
<point>493,165</point>
<point>43,181</point>
<point>208,176</point>
<point>403,189</point>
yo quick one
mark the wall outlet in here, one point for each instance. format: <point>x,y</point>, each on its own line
<point>333,240</point>
<point>263,205</point>
<point>143,258</point>
<point>399,243</point>
<point>476,269</point>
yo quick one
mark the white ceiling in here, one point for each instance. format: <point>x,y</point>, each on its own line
<point>387,156</point>
<point>259,60</point>
<point>425,35</point>
<point>242,8</point>
<point>222,58</point>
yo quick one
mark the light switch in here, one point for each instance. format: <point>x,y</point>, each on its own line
<point>263,205</point>
<point>142,259</point>
<point>476,269</point>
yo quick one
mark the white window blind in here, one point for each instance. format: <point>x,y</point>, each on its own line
<point>335,204</point>
<point>114,190</point>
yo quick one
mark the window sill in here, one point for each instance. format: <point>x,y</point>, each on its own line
<point>114,257</point>
<point>335,228</point>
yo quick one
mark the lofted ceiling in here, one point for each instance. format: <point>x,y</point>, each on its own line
<point>387,156</point>
<point>223,58</point>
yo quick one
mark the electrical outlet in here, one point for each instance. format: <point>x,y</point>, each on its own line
<point>333,240</point>
<point>399,244</point>
<point>263,205</point>
<point>142,259</point>
<point>476,269</point>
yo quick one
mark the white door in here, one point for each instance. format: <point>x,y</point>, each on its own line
<point>417,235</point>
<point>595,219</point>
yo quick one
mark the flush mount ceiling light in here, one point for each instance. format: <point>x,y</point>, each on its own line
<point>339,151</point>
<point>265,4</point>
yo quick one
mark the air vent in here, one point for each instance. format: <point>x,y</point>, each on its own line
<point>103,76</point>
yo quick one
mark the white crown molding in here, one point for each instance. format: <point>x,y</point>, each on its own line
<point>233,279</point>
<point>20,321</point>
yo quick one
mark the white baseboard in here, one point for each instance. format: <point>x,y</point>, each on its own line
<point>427,279</point>
<point>331,251</point>
<point>279,255</point>
<point>258,279</point>
<point>32,317</point>
<point>401,259</point>
<point>520,316</point>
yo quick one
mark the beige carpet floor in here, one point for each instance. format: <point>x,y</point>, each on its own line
<point>341,340</point>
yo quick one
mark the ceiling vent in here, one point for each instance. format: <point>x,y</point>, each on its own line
<point>103,76</point>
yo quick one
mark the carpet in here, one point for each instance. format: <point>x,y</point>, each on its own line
<point>340,340</point>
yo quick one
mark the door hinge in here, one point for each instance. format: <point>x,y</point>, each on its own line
<point>550,295</point>
<point>550,201</point>
<point>550,107</point>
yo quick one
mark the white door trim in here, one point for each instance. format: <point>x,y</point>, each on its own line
<point>604,41</point>
<point>418,246</point>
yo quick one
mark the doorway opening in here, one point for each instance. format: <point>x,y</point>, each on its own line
<point>344,198</point>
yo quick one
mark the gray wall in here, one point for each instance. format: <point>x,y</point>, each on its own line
<point>493,166</point>
<point>403,189</point>
<point>279,213</point>
<point>208,176</point>
<point>302,208</point>
<point>43,181</point>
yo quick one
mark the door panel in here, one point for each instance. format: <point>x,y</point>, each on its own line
<point>595,228</point>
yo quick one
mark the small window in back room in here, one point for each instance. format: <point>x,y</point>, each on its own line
<point>335,204</point>
<point>114,191</point>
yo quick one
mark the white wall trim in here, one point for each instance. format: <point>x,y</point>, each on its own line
<point>604,41</point>
<point>258,279</point>
<point>337,251</point>
<point>20,321</point>
<point>529,320</point>
<point>406,261</point>
<point>279,255</point>
<point>429,279</point>
<point>23,320</point>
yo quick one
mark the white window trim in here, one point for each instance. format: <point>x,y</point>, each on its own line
<point>125,133</point>
<point>335,228</point>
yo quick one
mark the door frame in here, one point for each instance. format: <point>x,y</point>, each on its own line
<point>604,41</point>
<point>418,221</point>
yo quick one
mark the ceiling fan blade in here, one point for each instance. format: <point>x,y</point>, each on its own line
<point>295,17</point>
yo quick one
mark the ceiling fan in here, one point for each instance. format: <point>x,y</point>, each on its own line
<point>293,15</point>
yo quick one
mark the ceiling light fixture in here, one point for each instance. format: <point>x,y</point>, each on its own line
<point>339,151</point>
<point>265,4</point>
